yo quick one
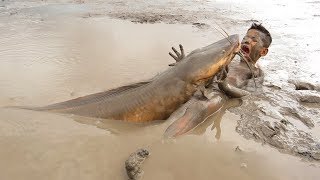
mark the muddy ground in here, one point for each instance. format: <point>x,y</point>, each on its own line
<point>284,112</point>
<point>57,50</point>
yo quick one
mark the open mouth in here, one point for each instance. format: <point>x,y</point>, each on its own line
<point>245,50</point>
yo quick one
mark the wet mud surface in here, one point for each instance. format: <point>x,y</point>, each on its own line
<point>58,50</point>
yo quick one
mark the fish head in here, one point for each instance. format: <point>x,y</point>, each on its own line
<point>204,63</point>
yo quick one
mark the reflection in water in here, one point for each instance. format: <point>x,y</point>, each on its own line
<point>216,125</point>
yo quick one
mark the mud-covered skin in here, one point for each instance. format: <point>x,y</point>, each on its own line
<point>160,97</point>
<point>237,78</point>
<point>231,91</point>
<point>254,45</point>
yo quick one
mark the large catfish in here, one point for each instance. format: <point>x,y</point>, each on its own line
<point>158,98</point>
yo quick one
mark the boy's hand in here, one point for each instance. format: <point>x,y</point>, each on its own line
<point>179,56</point>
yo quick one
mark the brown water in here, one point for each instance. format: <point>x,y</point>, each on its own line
<point>47,57</point>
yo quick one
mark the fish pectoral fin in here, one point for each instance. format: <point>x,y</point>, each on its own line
<point>194,115</point>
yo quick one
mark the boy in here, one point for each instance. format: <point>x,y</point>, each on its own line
<point>254,45</point>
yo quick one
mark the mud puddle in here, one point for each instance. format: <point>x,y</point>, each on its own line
<point>50,60</point>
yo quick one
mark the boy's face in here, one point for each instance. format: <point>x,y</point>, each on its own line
<point>252,45</point>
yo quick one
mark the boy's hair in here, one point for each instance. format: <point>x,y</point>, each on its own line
<point>268,39</point>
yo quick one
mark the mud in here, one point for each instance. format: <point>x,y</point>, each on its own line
<point>134,162</point>
<point>56,50</point>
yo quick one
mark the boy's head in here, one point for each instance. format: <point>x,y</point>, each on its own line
<point>256,42</point>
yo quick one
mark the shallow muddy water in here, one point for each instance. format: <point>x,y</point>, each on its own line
<point>50,53</point>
